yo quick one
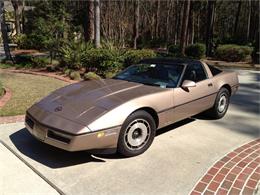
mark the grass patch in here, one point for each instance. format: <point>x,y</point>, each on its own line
<point>4,66</point>
<point>26,90</point>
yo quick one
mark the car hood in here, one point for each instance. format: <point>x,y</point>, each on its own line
<point>84,102</point>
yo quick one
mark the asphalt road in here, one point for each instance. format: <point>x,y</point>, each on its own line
<point>178,157</point>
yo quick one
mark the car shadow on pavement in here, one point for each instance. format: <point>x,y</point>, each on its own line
<point>56,158</point>
<point>174,126</point>
<point>159,132</point>
<point>247,98</point>
<point>48,155</point>
<point>245,101</point>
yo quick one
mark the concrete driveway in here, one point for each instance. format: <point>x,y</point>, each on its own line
<point>179,156</point>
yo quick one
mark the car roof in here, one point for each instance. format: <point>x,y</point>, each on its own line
<point>168,61</point>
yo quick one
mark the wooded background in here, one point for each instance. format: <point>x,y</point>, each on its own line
<point>140,23</point>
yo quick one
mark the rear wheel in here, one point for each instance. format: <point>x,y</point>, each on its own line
<point>137,134</point>
<point>221,104</point>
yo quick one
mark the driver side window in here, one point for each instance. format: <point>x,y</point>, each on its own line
<point>195,72</point>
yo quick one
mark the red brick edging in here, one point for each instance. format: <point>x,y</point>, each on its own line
<point>11,119</point>
<point>47,74</point>
<point>6,97</point>
<point>236,173</point>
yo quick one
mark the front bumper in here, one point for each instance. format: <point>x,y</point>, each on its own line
<point>103,139</point>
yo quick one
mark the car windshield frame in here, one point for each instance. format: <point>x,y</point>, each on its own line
<point>160,83</point>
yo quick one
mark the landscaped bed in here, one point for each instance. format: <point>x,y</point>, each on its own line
<point>26,89</point>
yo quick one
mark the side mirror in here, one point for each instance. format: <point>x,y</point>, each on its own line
<point>187,84</point>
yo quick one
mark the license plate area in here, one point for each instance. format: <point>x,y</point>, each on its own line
<point>29,122</point>
<point>39,132</point>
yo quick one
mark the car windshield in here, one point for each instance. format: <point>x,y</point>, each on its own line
<point>162,75</point>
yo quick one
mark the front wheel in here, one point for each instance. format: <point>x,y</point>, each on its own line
<point>137,134</point>
<point>221,104</point>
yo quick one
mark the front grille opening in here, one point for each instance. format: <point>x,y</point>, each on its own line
<point>29,122</point>
<point>57,136</point>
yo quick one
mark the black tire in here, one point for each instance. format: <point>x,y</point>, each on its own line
<point>131,135</point>
<point>216,112</point>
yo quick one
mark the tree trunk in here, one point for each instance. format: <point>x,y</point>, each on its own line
<point>249,20</point>
<point>109,20</point>
<point>210,23</point>
<point>136,22</point>
<point>97,23</point>
<point>192,27</point>
<point>237,17</point>
<point>176,22</point>
<point>18,9</point>
<point>8,55</point>
<point>185,21</point>
<point>88,23</point>
<point>157,21</point>
<point>198,27</point>
<point>169,5</point>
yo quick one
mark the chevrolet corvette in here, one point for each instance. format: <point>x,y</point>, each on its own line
<point>122,114</point>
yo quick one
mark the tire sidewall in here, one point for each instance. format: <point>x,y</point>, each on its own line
<point>121,146</point>
<point>222,91</point>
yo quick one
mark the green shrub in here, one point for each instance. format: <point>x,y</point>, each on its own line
<point>233,53</point>
<point>73,54</point>
<point>5,64</point>
<point>109,75</point>
<point>30,61</point>
<point>174,50</point>
<point>91,76</point>
<point>23,59</point>
<point>256,54</point>
<point>103,60</point>
<point>1,89</point>
<point>67,71</point>
<point>20,40</point>
<point>51,68</point>
<point>40,61</point>
<point>196,51</point>
<point>75,75</point>
<point>133,56</point>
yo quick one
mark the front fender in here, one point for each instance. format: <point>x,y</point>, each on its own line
<point>117,116</point>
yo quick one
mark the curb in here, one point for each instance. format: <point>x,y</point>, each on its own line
<point>59,191</point>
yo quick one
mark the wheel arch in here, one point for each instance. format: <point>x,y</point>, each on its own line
<point>228,87</point>
<point>152,112</point>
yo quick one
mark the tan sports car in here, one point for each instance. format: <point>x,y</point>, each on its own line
<point>123,113</point>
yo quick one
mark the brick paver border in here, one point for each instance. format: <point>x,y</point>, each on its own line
<point>11,119</point>
<point>8,94</point>
<point>236,173</point>
<point>41,73</point>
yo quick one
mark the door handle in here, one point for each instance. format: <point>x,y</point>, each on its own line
<point>210,85</point>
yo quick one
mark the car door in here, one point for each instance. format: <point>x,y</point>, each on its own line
<point>193,100</point>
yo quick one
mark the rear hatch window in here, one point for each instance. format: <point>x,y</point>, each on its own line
<point>214,70</point>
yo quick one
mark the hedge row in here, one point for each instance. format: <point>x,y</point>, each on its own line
<point>102,60</point>
<point>233,53</point>
<point>229,52</point>
<point>196,51</point>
